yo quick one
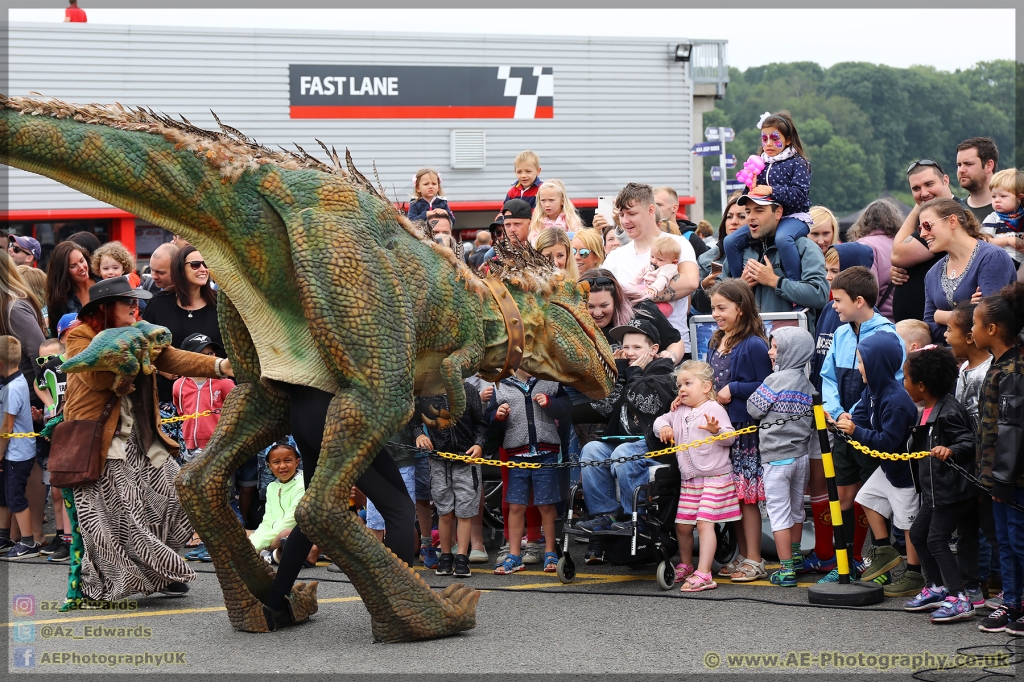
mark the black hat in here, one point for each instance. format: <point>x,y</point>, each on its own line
<point>197,343</point>
<point>498,223</point>
<point>637,325</point>
<point>517,208</point>
<point>107,290</point>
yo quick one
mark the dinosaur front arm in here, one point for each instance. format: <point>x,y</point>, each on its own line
<point>454,368</point>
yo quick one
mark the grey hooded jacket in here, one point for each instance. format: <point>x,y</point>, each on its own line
<point>786,392</point>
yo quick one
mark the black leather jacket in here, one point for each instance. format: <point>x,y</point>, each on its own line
<point>948,425</point>
<point>1001,409</point>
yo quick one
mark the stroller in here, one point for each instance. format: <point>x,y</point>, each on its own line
<point>628,547</point>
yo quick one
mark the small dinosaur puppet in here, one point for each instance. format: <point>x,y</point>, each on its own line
<point>124,351</point>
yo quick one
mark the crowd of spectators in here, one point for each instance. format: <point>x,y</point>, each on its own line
<point>896,317</point>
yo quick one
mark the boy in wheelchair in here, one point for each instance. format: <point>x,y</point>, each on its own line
<point>648,393</point>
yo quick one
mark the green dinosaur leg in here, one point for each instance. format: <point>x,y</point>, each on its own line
<point>253,417</point>
<point>362,320</point>
<point>402,607</point>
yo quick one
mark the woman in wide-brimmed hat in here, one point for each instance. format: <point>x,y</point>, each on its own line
<point>130,521</point>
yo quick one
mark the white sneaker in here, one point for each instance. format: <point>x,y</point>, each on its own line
<point>267,556</point>
<point>532,553</point>
<point>502,554</point>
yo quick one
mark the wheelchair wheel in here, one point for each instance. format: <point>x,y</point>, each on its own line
<point>728,545</point>
<point>566,570</point>
<point>666,575</point>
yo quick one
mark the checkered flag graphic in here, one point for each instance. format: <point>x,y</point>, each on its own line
<point>531,86</point>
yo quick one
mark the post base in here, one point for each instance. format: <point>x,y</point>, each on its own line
<point>854,594</point>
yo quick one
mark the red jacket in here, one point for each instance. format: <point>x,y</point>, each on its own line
<point>529,195</point>
<point>189,398</point>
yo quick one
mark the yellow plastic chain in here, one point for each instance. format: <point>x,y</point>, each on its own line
<point>895,456</point>
<point>185,417</point>
<point>169,420</point>
<point>469,459</point>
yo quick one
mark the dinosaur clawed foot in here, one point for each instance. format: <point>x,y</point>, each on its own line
<point>257,617</point>
<point>302,601</point>
<point>250,617</point>
<point>449,612</point>
<point>441,419</point>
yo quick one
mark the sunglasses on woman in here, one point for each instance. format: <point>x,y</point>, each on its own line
<point>196,264</point>
<point>600,282</point>
<point>129,301</point>
<point>582,253</point>
<point>928,227</point>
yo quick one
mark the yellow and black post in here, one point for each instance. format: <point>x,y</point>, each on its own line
<point>845,592</point>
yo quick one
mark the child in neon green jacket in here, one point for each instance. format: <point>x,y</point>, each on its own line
<point>283,497</point>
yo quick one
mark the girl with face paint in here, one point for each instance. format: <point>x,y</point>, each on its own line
<point>786,182</point>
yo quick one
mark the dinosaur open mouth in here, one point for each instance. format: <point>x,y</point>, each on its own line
<point>609,370</point>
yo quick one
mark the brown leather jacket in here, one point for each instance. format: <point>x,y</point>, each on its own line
<point>88,392</point>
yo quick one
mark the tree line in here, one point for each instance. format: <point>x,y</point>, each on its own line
<point>862,124</point>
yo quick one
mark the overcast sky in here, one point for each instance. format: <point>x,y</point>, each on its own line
<point>897,37</point>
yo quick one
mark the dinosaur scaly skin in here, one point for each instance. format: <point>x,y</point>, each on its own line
<point>327,286</point>
<point>124,351</point>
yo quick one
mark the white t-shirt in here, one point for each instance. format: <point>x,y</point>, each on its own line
<point>625,263</point>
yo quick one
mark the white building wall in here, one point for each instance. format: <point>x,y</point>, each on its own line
<point>622,106</point>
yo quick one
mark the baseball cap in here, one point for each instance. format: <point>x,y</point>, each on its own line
<point>517,208</point>
<point>637,325</point>
<point>27,243</point>
<point>759,200</point>
<point>197,343</point>
<point>65,321</point>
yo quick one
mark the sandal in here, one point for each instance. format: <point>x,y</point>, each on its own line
<point>698,582</point>
<point>731,567</point>
<point>683,571</point>
<point>194,542</point>
<point>512,564</point>
<point>749,571</point>
<point>550,562</point>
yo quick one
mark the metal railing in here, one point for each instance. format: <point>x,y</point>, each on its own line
<point>708,65</point>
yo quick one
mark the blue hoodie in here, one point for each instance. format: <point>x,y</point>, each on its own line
<point>849,256</point>
<point>885,413</point>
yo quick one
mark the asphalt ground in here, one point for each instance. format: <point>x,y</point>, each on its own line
<point>611,620</point>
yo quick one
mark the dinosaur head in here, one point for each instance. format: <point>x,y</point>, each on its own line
<point>562,342</point>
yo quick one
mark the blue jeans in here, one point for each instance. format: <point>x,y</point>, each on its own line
<point>545,483</point>
<point>374,521</point>
<point>786,234</point>
<point>1010,535</point>
<point>599,481</point>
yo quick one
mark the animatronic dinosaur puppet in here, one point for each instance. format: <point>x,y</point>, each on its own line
<point>326,286</point>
